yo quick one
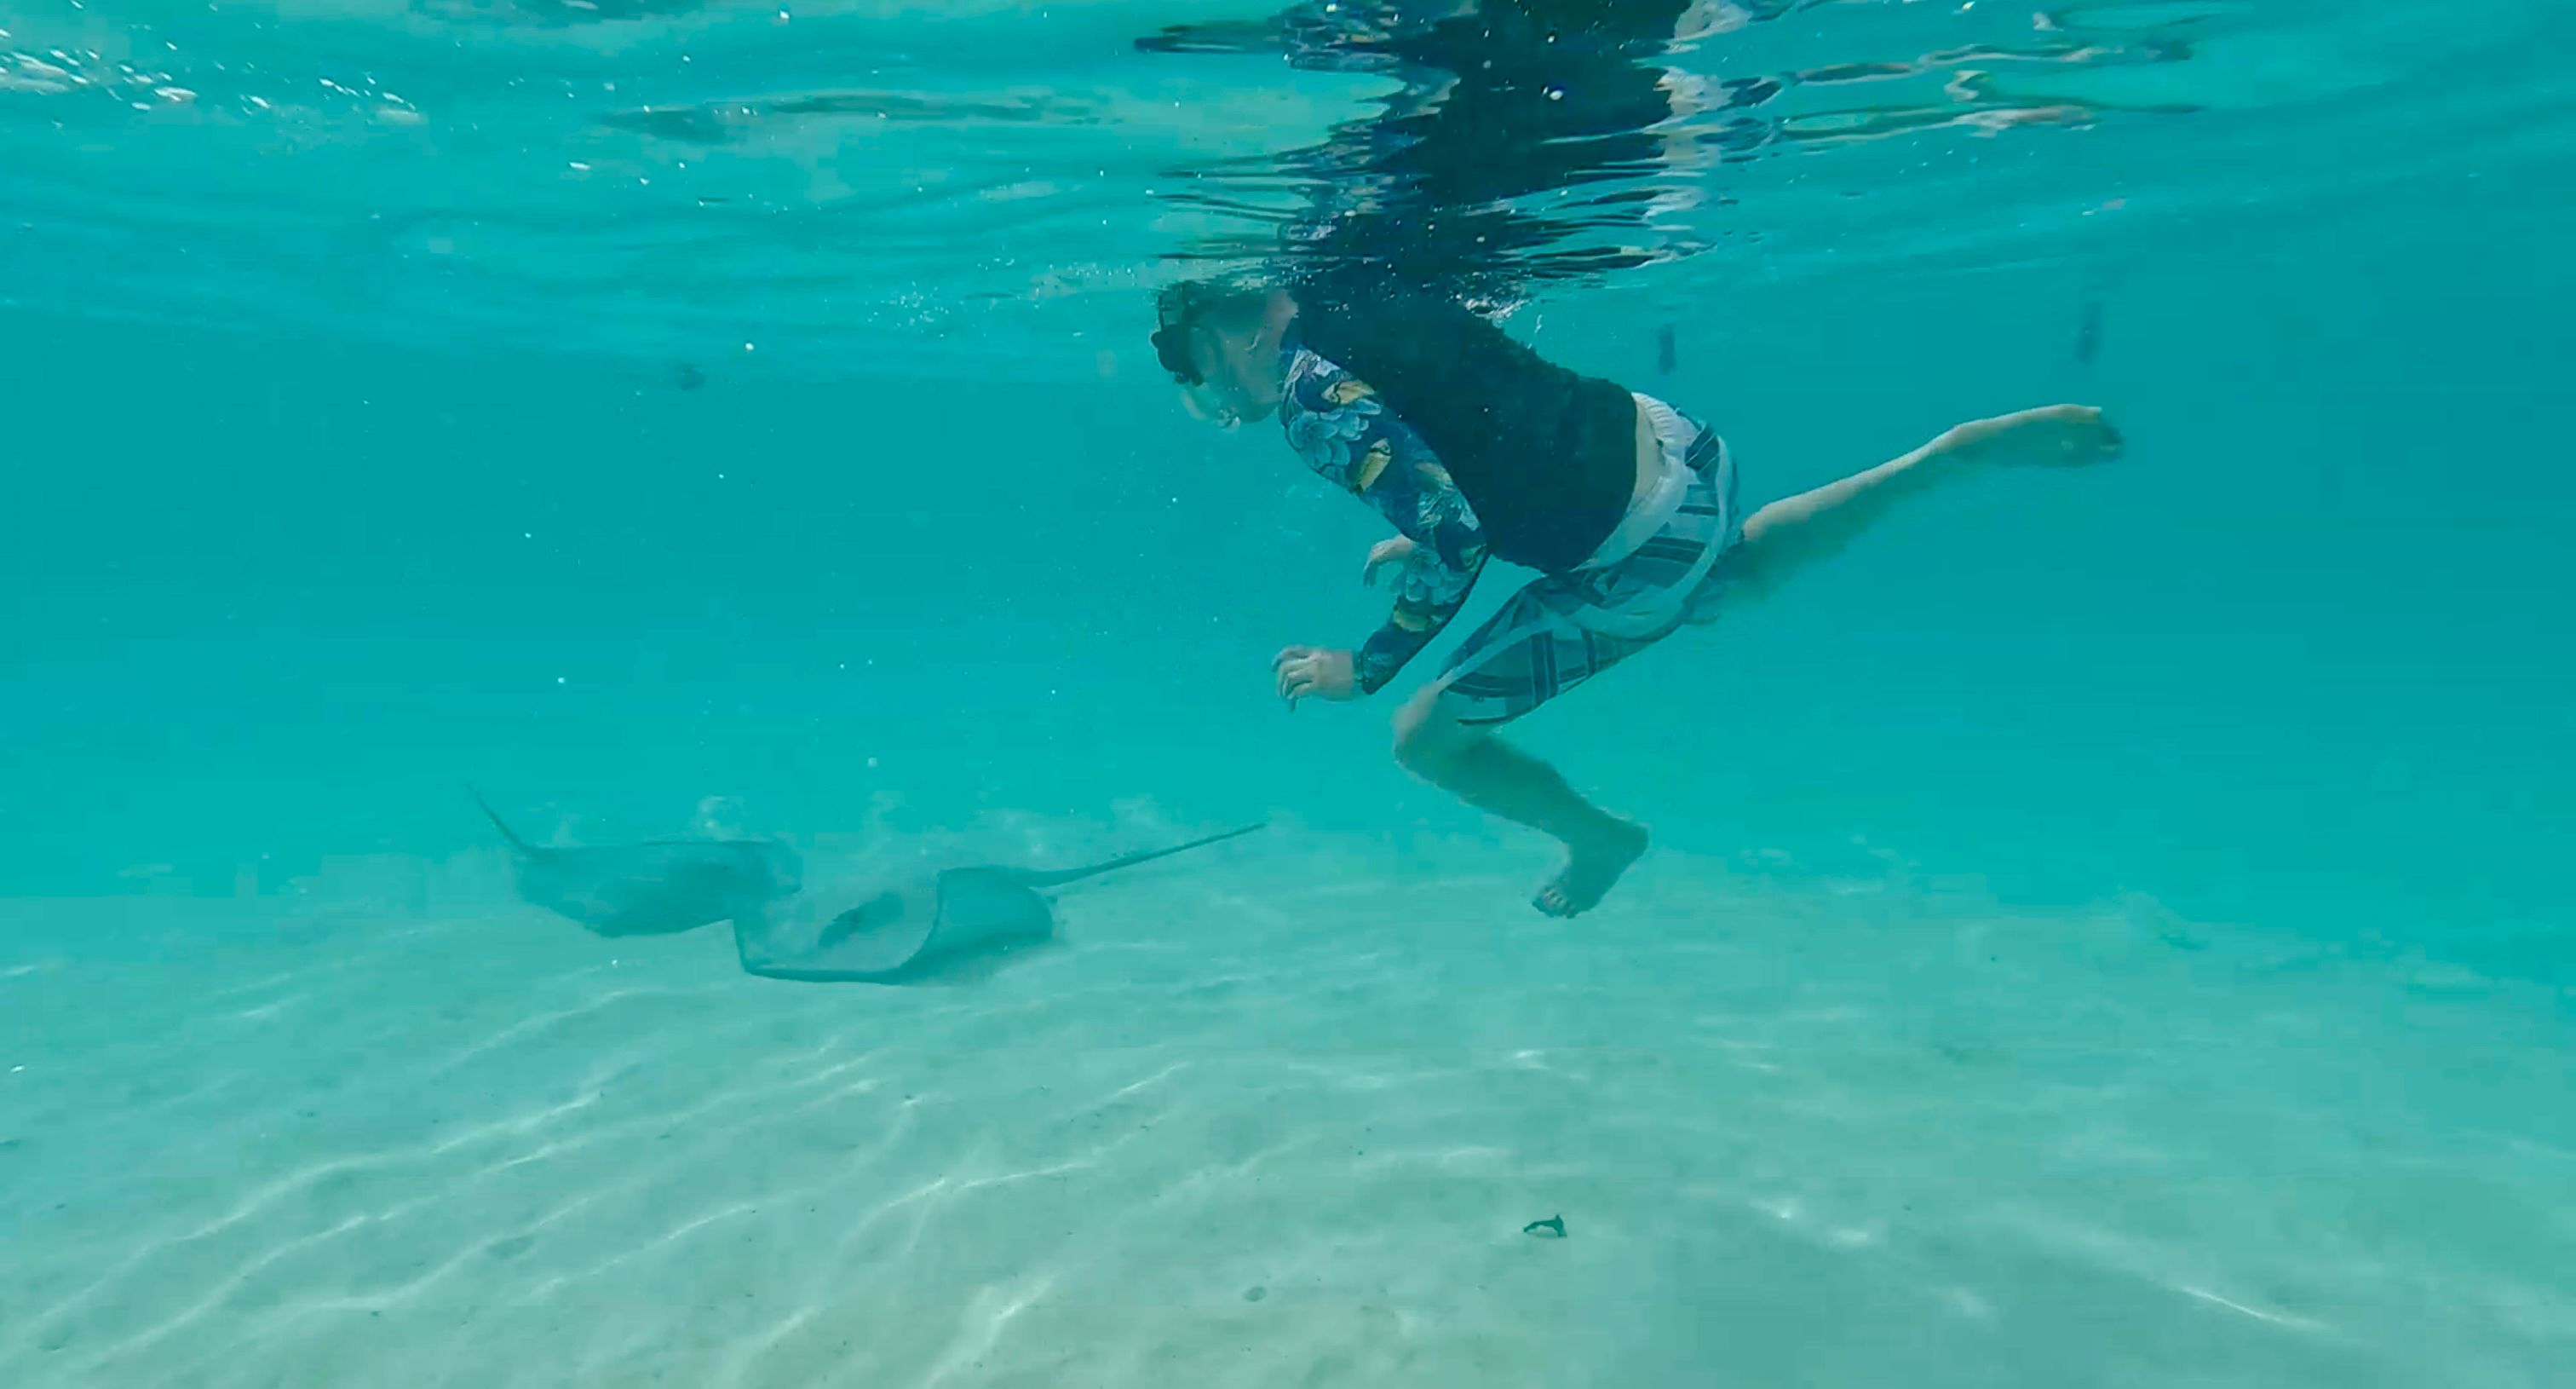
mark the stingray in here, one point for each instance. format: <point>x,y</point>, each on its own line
<point>657,888</point>
<point>930,924</point>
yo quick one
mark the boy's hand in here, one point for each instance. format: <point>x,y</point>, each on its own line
<point>2054,435</point>
<point>1384,553</point>
<point>1306,671</point>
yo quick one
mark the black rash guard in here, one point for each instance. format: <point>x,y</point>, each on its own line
<point>1547,457</point>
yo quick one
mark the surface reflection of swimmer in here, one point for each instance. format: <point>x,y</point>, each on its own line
<point>1500,103</point>
<point>1507,101</point>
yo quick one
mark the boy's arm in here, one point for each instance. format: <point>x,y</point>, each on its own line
<point>1345,436</point>
<point>1430,589</point>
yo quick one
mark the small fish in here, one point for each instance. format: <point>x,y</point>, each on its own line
<point>1551,1228</point>
<point>2088,331</point>
<point>687,377</point>
<point>1666,355</point>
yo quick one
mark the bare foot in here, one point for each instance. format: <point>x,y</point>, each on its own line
<point>2054,435</point>
<point>1591,868</point>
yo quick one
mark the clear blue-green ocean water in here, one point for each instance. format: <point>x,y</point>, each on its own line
<point>2143,889</point>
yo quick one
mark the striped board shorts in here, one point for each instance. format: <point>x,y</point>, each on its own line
<point>1564,629</point>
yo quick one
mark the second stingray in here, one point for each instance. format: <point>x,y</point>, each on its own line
<point>929,925</point>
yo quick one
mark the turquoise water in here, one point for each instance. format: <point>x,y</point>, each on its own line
<point>2107,928</point>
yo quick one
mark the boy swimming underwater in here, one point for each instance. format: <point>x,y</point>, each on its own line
<point>1475,448</point>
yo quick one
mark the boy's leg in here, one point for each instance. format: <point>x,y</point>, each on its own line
<point>1796,533</point>
<point>1524,656</point>
<point>1493,776</point>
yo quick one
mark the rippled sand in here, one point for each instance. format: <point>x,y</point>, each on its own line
<point>1277,1118</point>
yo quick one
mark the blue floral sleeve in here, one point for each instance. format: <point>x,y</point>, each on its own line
<point>1345,434</point>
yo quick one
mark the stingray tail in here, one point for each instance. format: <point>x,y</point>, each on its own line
<point>500,824</point>
<point>1068,875</point>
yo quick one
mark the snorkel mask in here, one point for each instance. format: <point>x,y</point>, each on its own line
<point>1176,319</point>
<point>1176,312</point>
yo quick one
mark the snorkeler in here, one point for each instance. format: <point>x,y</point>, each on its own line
<point>1474,448</point>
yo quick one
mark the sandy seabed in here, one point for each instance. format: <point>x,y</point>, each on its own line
<point>1277,1117</point>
